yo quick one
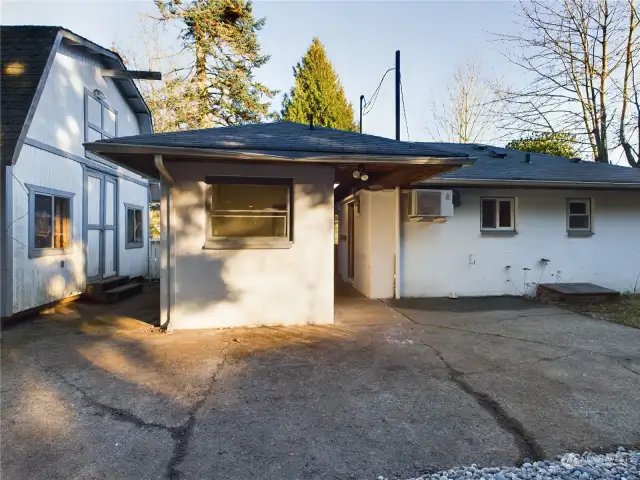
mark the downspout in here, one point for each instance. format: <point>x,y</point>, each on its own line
<point>166,192</point>
<point>398,225</point>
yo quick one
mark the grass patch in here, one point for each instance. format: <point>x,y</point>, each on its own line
<point>626,311</point>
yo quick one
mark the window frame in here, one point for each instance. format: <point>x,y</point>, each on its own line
<point>98,128</point>
<point>498,230</point>
<point>50,192</point>
<point>236,243</point>
<point>127,244</point>
<point>580,232</point>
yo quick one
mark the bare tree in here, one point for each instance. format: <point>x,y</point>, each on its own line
<point>578,57</point>
<point>172,100</point>
<point>465,115</point>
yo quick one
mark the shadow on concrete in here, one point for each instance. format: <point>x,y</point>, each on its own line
<point>466,304</point>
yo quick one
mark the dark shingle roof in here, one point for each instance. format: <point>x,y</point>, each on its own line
<point>284,136</point>
<point>24,52</point>
<point>543,168</point>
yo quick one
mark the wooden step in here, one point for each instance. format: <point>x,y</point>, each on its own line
<point>118,293</point>
<point>99,286</point>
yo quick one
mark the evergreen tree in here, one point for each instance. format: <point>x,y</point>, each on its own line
<point>559,144</point>
<point>317,91</point>
<point>222,34</point>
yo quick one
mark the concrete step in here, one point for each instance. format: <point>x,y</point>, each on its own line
<point>99,286</point>
<point>118,293</point>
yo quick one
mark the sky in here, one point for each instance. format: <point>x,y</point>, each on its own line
<point>360,37</point>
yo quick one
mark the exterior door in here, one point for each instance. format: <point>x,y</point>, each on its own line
<point>101,225</point>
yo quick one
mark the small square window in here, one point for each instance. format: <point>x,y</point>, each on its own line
<point>134,226</point>
<point>497,214</point>
<point>50,225</point>
<point>579,215</point>
<point>101,121</point>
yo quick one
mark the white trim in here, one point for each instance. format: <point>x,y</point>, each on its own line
<point>498,201</point>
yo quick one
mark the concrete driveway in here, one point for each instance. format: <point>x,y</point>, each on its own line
<point>390,390</point>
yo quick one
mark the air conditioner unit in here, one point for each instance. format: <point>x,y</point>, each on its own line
<point>431,203</point>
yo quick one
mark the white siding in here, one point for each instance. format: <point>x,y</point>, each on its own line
<point>37,281</point>
<point>133,261</point>
<point>59,117</point>
<point>438,259</point>
<point>59,122</point>
<point>222,288</point>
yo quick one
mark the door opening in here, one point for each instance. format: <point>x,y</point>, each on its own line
<point>351,241</point>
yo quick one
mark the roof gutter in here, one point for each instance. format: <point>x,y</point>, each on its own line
<point>275,155</point>
<point>454,182</point>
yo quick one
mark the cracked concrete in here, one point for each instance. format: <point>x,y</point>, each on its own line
<point>387,391</point>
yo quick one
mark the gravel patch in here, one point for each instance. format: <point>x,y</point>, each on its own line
<point>621,465</point>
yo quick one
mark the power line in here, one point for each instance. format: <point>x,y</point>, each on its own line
<point>404,110</point>
<point>368,106</point>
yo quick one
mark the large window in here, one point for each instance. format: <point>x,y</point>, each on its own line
<point>579,216</point>
<point>249,211</point>
<point>100,119</point>
<point>50,227</point>
<point>134,226</point>
<point>497,215</point>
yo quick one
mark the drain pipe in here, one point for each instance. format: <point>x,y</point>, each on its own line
<point>398,225</point>
<point>167,182</point>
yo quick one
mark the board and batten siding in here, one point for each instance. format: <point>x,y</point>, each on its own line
<point>58,122</point>
<point>438,259</point>
<point>224,288</point>
<point>38,281</point>
<point>133,262</point>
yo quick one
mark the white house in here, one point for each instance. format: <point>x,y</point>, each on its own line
<point>68,217</point>
<point>247,212</point>
<point>505,224</point>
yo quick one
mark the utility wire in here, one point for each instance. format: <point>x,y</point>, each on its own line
<point>368,105</point>
<point>404,110</point>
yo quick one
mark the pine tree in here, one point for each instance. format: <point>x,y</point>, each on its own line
<point>317,91</point>
<point>222,34</point>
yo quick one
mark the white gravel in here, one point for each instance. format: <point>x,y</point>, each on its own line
<point>620,465</point>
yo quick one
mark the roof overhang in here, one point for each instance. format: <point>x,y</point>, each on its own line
<point>385,171</point>
<point>548,184</point>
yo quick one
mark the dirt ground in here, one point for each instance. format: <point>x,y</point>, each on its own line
<point>394,389</point>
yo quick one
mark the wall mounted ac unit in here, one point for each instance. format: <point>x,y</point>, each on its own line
<point>431,203</point>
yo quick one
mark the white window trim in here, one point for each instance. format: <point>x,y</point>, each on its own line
<point>128,245</point>
<point>589,229</point>
<point>497,228</point>
<point>43,252</point>
<point>236,243</point>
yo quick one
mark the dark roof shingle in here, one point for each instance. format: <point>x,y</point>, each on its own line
<point>284,136</point>
<point>24,52</point>
<point>542,168</point>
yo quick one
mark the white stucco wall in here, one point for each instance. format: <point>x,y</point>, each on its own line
<point>59,122</point>
<point>223,288</point>
<point>437,259</point>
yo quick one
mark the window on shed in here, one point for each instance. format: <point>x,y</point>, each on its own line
<point>579,214</point>
<point>134,227</point>
<point>100,119</point>
<point>51,223</point>
<point>497,214</point>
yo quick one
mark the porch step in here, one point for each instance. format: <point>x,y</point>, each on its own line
<point>118,293</point>
<point>99,286</point>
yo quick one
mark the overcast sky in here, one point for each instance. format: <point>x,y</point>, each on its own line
<point>361,38</point>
